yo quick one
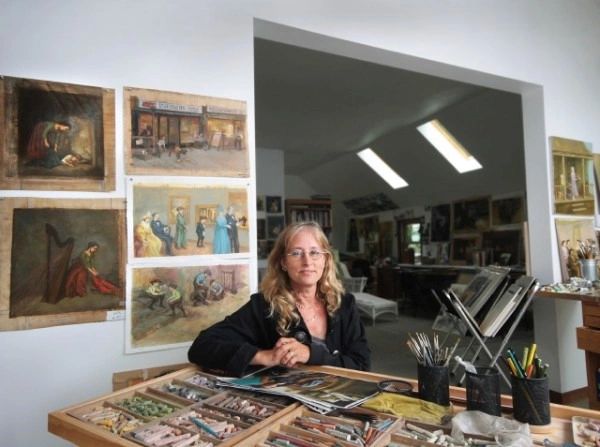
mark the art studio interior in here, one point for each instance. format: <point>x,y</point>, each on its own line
<point>122,119</point>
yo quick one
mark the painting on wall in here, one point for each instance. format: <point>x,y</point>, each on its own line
<point>261,229</point>
<point>168,133</point>
<point>504,247</point>
<point>569,234</point>
<point>508,211</point>
<point>440,223</point>
<point>573,176</point>
<point>463,249</point>
<point>187,218</point>
<point>471,215</point>
<point>273,204</point>
<point>372,203</point>
<point>260,203</point>
<point>56,136</point>
<point>63,261</point>
<point>169,306</point>
<point>275,226</point>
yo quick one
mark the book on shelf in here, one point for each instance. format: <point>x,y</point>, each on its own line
<point>319,391</point>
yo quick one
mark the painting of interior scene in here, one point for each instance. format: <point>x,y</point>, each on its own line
<point>55,129</point>
<point>170,305</point>
<point>573,177</point>
<point>65,260</point>
<point>188,220</point>
<point>184,134</point>
<point>574,237</point>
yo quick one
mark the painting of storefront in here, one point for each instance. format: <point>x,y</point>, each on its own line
<point>176,134</point>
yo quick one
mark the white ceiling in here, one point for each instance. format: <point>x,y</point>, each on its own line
<point>320,109</point>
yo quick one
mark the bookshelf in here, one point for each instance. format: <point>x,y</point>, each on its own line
<point>297,210</point>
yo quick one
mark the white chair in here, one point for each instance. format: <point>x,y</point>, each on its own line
<point>369,304</point>
<point>351,283</point>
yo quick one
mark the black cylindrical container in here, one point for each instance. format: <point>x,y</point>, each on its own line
<point>531,400</point>
<point>434,384</point>
<point>483,391</point>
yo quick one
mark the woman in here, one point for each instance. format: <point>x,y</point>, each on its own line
<point>145,242</point>
<point>302,315</point>
<point>84,269</point>
<point>221,243</point>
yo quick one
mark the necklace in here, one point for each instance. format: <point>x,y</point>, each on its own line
<point>304,309</point>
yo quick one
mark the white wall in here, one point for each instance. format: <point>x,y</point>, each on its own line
<point>205,47</point>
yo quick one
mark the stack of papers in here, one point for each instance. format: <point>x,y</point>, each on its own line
<point>319,391</point>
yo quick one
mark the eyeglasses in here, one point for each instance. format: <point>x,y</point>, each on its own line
<point>312,254</point>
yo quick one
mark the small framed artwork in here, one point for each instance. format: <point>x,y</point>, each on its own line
<point>569,234</point>
<point>179,207</point>
<point>56,136</point>
<point>170,133</point>
<point>51,248</point>
<point>275,226</point>
<point>573,166</point>
<point>440,223</point>
<point>507,212</point>
<point>471,215</point>
<point>168,306</point>
<point>263,249</point>
<point>261,229</point>
<point>260,203</point>
<point>273,204</point>
<point>463,249</point>
<point>187,217</point>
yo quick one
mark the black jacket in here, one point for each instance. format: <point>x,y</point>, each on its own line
<point>231,344</point>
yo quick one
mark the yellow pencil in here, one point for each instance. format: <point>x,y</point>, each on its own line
<point>512,367</point>
<point>531,354</point>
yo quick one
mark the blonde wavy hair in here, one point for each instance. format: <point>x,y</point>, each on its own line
<point>276,286</point>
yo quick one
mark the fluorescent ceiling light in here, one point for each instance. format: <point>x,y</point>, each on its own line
<point>449,146</point>
<point>382,168</point>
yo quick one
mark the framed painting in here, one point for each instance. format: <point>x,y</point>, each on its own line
<point>440,223</point>
<point>463,249</point>
<point>261,229</point>
<point>63,261</point>
<point>263,249</point>
<point>508,212</point>
<point>573,176</point>
<point>168,306</point>
<point>179,206</point>
<point>56,136</point>
<point>187,217</point>
<point>471,215</point>
<point>273,204</point>
<point>169,133</point>
<point>260,203</point>
<point>504,247</point>
<point>275,226</point>
<point>569,232</point>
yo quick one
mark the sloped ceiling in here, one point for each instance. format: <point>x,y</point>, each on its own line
<point>320,109</point>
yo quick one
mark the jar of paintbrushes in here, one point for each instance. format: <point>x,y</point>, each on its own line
<point>432,367</point>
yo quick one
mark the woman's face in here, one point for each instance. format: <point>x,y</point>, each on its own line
<point>303,270</point>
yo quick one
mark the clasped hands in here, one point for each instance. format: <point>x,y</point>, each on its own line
<point>287,352</point>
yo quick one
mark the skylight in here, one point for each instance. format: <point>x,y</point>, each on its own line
<point>382,168</point>
<point>449,146</point>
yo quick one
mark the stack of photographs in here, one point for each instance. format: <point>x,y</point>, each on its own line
<point>319,391</point>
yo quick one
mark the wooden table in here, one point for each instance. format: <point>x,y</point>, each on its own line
<point>588,337</point>
<point>62,424</point>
